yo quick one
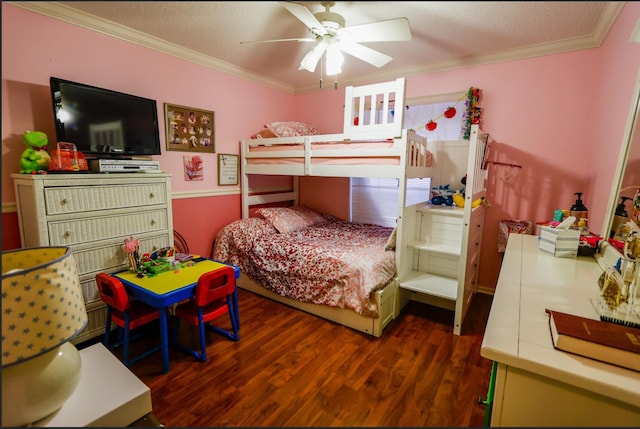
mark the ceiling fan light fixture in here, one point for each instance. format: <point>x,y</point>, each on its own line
<point>335,59</point>
<point>310,61</point>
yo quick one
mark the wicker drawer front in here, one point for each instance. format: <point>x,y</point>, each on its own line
<point>67,233</point>
<point>109,255</point>
<point>89,198</point>
<point>97,317</point>
<point>110,258</point>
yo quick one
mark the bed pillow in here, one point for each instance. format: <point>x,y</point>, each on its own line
<point>264,134</point>
<point>312,216</point>
<point>291,129</point>
<point>285,219</point>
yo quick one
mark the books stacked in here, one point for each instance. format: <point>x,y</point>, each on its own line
<point>612,343</point>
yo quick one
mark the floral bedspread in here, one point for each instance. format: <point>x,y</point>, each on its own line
<point>336,263</point>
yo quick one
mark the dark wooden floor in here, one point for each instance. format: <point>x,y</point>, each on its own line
<point>291,368</point>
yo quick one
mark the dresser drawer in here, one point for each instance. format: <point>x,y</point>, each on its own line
<point>108,257</point>
<point>70,232</point>
<point>65,200</point>
<point>96,320</point>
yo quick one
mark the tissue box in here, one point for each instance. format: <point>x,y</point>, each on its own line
<point>561,243</point>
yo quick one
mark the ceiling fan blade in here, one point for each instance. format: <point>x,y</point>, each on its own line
<point>392,30</point>
<point>305,39</point>
<point>364,53</point>
<point>304,15</point>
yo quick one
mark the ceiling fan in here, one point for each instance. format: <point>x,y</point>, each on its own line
<point>331,36</point>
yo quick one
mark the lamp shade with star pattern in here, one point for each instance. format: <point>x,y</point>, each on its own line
<point>42,302</point>
<point>42,309</point>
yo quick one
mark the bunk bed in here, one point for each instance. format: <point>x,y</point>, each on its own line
<point>373,144</point>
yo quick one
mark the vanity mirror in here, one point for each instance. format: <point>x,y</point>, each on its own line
<point>626,183</point>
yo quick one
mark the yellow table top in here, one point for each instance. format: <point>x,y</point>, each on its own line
<point>172,280</point>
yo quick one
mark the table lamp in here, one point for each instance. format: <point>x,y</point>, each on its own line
<point>42,309</point>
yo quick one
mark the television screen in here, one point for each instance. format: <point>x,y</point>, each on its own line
<point>103,123</point>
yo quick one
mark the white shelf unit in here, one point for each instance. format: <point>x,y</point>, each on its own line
<point>436,253</point>
<point>93,214</point>
<point>439,264</point>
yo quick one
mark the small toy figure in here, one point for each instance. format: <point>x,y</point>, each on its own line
<point>442,195</point>
<point>35,158</point>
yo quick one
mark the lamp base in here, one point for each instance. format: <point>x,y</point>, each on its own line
<point>33,389</point>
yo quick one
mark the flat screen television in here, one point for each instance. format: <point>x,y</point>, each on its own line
<point>103,123</point>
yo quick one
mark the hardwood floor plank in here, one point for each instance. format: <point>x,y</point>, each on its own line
<point>290,368</point>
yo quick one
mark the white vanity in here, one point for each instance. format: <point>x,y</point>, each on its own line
<point>535,384</point>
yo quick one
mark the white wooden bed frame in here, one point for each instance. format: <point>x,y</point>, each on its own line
<point>408,148</point>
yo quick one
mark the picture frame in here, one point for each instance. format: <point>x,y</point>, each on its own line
<point>189,129</point>
<point>228,169</point>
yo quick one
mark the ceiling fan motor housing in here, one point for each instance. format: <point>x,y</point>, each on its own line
<point>330,20</point>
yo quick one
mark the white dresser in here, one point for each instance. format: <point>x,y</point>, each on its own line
<point>93,214</point>
<point>535,384</point>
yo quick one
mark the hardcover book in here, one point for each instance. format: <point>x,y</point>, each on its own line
<point>607,342</point>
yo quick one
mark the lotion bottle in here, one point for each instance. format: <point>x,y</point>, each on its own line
<point>578,210</point>
<point>621,217</point>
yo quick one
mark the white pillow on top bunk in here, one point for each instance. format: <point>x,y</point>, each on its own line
<point>286,129</point>
<point>290,219</point>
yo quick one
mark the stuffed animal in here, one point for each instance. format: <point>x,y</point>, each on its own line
<point>35,158</point>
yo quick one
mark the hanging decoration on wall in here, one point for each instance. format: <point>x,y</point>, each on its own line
<point>471,115</point>
<point>449,113</point>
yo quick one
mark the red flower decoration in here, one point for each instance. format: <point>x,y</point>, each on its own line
<point>431,125</point>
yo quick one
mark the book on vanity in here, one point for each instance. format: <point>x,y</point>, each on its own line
<point>604,341</point>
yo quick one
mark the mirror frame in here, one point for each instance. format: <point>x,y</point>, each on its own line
<point>609,255</point>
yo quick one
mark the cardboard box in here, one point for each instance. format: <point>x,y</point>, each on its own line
<point>561,243</point>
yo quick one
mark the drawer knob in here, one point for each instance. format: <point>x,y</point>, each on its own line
<point>153,222</point>
<point>67,234</point>
<point>64,201</point>
<point>151,195</point>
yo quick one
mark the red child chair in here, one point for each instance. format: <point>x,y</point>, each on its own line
<point>213,297</point>
<point>126,314</point>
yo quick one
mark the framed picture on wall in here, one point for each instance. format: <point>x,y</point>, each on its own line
<point>189,129</point>
<point>227,169</point>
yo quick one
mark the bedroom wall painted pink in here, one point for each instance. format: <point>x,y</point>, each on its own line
<point>55,48</point>
<point>561,116</point>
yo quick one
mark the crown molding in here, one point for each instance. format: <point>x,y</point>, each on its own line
<point>64,13</point>
<point>82,19</point>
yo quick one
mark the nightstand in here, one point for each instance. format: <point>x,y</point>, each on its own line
<point>108,394</point>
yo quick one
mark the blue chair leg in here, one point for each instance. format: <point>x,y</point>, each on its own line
<point>107,328</point>
<point>125,350</point>
<point>203,343</point>
<point>235,336</point>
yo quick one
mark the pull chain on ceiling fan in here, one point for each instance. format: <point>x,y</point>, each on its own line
<point>333,38</point>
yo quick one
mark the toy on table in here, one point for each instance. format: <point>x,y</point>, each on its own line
<point>35,158</point>
<point>132,248</point>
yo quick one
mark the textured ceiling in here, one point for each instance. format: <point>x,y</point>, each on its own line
<point>445,35</point>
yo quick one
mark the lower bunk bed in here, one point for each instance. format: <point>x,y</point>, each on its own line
<point>341,271</point>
